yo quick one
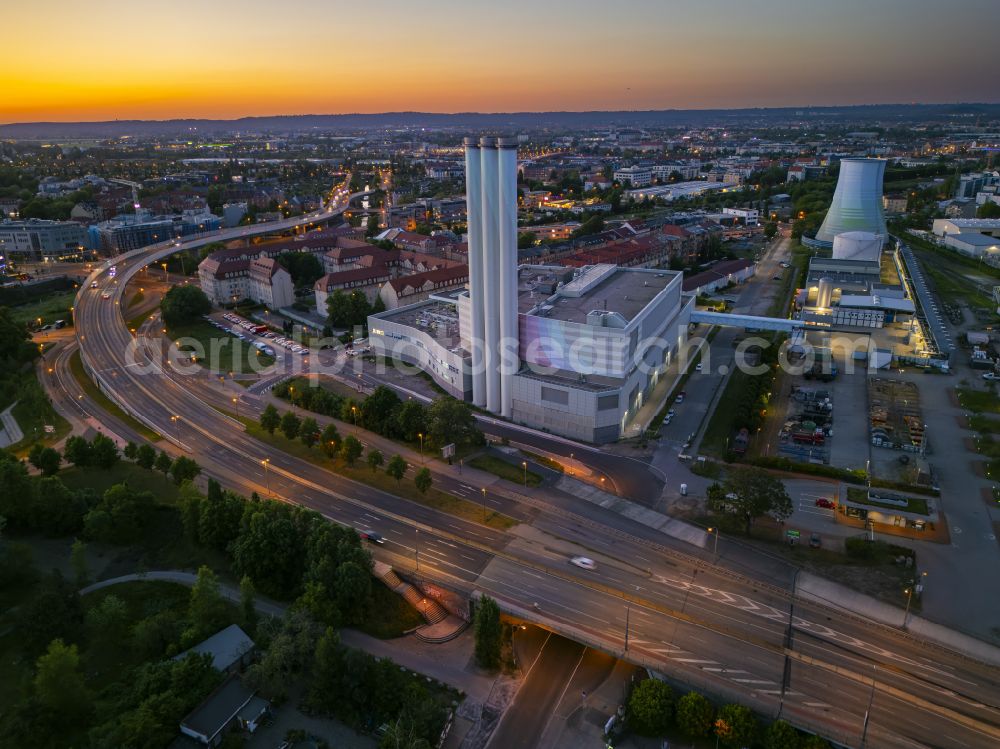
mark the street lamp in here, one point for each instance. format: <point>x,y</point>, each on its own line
<point>524,465</point>
<point>914,587</point>
<point>176,419</point>
<point>236,402</point>
<point>267,477</point>
<point>420,436</point>
<point>484,503</point>
<point>354,413</point>
<point>715,548</point>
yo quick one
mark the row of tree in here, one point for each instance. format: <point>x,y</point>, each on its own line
<point>446,420</point>
<point>651,710</point>
<point>349,449</point>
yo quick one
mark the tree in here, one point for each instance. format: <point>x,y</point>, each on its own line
<point>269,418</point>
<point>131,451</point>
<point>353,588</point>
<point>375,459</point>
<point>145,456</point>
<point>781,735</point>
<point>184,469</point>
<point>753,492</point>
<point>488,633</point>
<point>735,725</point>
<point>45,459</point>
<point>411,420</point>
<point>309,432</point>
<point>206,607</point>
<point>695,715</point>
<point>248,599</point>
<point>815,742</point>
<point>54,612</point>
<point>770,229</point>
<point>290,424</point>
<point>77,451</point>
<point>351,449</point>
<point>988,210</point>
<point>78,561</point>
<point>423,480</point>
<point>402,734</point>
<point>378,412</point>
<point>397,467</point>
<point>104,451</point>
<point>330,440</point>
<point>650,708</point>
<point>107,622</point>
<point>184,304</point>
<point>59,684</point>
<point>119,516</point>
<point>450,420</point>
<point>163,463</point>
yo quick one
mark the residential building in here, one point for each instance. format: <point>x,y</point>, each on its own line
<point>230,706</point>
<point>269,283</point>
<point>406,290</point>
<point>130,232</point>
<point>894,204</point>
<point>231,649</point>
<point>746,216</point>
<point>720,275</point>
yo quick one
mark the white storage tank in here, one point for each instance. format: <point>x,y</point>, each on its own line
<point>857,245</point>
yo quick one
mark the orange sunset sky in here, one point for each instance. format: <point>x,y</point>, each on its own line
<point>109,59</point>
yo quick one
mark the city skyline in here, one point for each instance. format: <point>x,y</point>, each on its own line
<point>224,62</point>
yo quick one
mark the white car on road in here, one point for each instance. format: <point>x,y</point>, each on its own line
<point>584,563</point>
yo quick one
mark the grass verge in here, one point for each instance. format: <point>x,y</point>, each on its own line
<point>379,479</point>
<point>93,392</point>
<point>393,618</point>
<point>499,467</point>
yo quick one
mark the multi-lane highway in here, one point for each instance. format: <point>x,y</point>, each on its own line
<point>734,633</point>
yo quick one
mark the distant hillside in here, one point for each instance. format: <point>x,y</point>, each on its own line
<point>886,114</point>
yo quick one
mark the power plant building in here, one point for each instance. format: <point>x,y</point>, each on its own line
<point>857,201</point>
<point>574,351</point>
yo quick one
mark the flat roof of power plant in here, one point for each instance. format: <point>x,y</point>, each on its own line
<point>608,288</point>
<point>437,319</point>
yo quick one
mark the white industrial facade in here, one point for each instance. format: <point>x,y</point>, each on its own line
<point>857,201</point>
<point>572,351</point>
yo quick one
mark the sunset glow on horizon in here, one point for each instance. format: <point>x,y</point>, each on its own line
<point>134,60</point>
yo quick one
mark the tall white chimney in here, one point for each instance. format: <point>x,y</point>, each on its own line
<point>490,192</point>
<point>474,204</point>
<point>507,258</point>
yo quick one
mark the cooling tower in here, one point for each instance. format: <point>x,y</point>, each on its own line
<point>474,204</point>
<point>857,201</point>
<point>857,245</point>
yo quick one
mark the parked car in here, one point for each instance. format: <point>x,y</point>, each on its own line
<point>824,502</point>
<point>584,562</point>
<point>815,541</point>
<point>700,367</point>
<point>680,397</point>
<point>991,376</point>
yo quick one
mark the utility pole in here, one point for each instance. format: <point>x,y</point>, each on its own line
<point>628,611</point>
<point>868,710</point>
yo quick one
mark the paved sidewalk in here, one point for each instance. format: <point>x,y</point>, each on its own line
<point>10,432</point>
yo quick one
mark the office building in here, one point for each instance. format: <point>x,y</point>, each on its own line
<point>33,239</point>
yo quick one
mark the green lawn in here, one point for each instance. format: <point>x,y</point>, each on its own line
<point>439,500</point>
<point>138,478</point>
<point>33,412</point>
<point>978,401</point>
<point>505,470</point>
<point>51,308</point>
<point>105,403</point>
<point>392,615</point>
<point>219,351</point>
<point>859,495</point>
<point>328,383</point>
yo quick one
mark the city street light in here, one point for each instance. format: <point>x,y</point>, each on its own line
<point>267,477</point>
<point>420,435</point>
<point>524,465</point>
<point>176,419</point>
<point>484,503</point>
<point>236,402</point>
<point>914,587</point>
<point>715,548</point>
